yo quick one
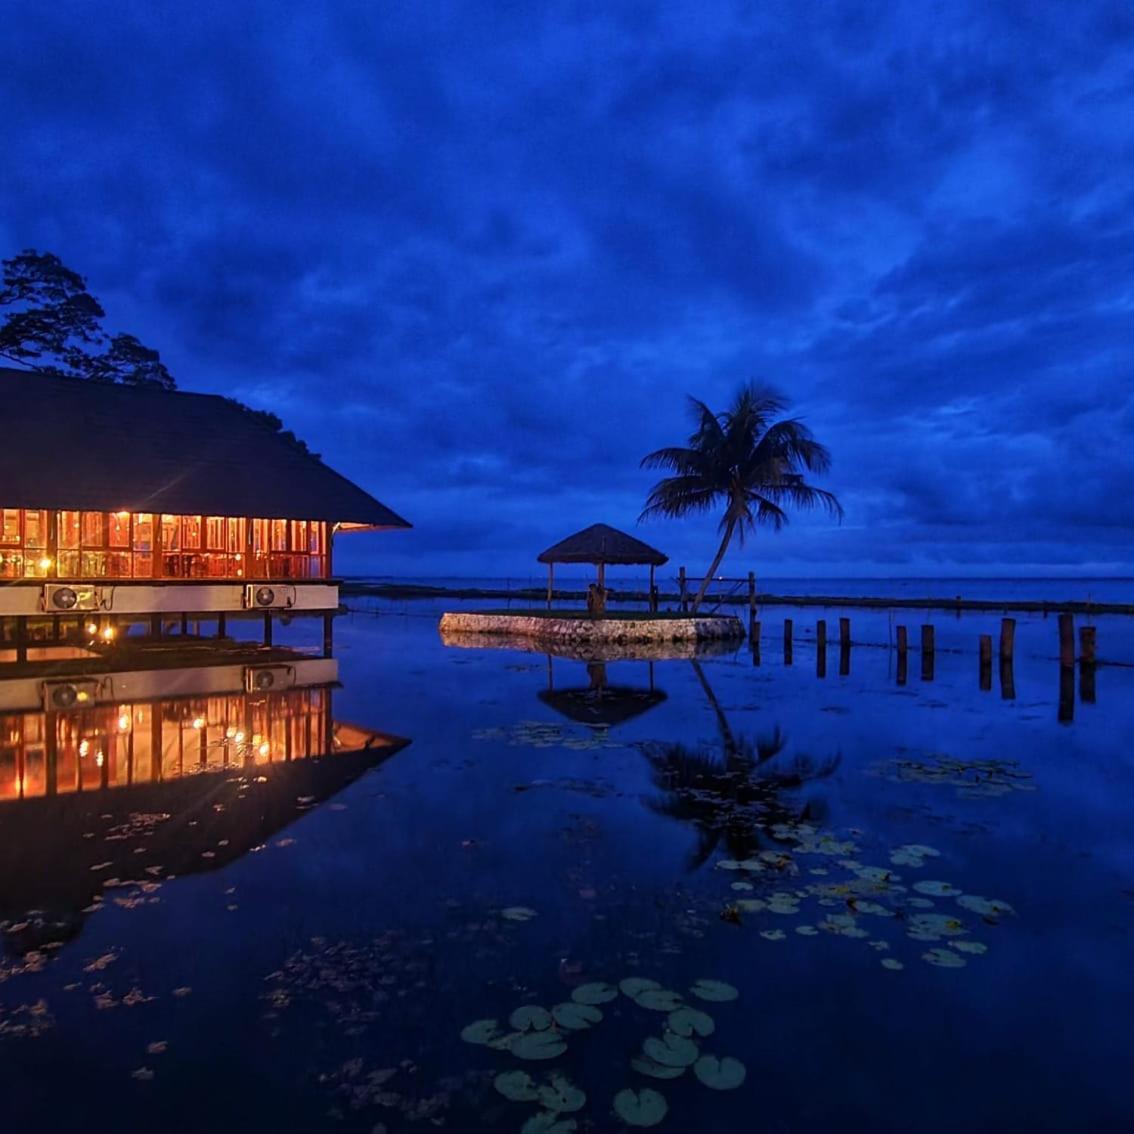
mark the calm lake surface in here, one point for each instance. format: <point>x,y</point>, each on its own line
<point>921,894</point>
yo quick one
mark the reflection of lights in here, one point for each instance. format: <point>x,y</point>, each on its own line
<point>124,723</point>
<point>256,738</point>
<point>239,738</point>
<point>99,759</point>
<point>92,628</point>
<point>108,633</point>
<point>230,732</point>
<point>82,695</point>
<point>198,723</point>
<point>45,563</point>
<point>265,748</point>
<point>84,747</point>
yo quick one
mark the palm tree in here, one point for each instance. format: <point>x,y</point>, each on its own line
<point>746,460</point>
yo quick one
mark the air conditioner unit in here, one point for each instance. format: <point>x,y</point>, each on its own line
<point>69,694</point>
<point>268,596</point>
<point>268,678</point>
<point>58,598</point>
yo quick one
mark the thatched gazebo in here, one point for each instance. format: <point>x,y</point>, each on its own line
<point>600,544</point>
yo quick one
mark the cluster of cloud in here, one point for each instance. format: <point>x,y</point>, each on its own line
<point>476,255</point>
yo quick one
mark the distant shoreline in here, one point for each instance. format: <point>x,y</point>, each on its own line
<point>539,594</point>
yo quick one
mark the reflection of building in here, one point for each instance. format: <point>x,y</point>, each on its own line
<point>144,774</point>
<point>599,703</point>
<point>123,501</point>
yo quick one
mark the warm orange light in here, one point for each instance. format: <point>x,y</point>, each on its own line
<point>230,732</point>
<point>99,759</point>
<point>108,633</point>
<point>198,723</point>
<point>265,748</point>
<point>124,723</point>
<point>84,747</point>
<point>45,562</point>
<point>239,738</point>
<point>92,628</point>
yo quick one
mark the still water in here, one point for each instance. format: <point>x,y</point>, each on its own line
<point>888,907</point>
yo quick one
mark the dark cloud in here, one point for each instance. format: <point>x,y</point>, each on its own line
<point>477,254</point>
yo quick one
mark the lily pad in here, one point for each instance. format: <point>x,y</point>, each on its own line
<point>713,990</point>
<point>538,1045</point>
<point>640,1108</point>
<point>518,913</point>
<point>772,934</point>
<point>549,1122</point>
<point>671,1050</point>
<point>986,907</point>
<point>944,959</point>
<point>720,1074</point>
<point>937,889</point>
<point>561,1095</point>
<point>598,992</point>
<point>975,947</point>
<point>658,1000</point>
<point>576,1017</point>
<point>690,1021</point>
<point>635,985</point>
<point>892,963</point>
<point>481,1031</point>
<point>518,1086</point>
<point>531,1017</point>
<point>646,1066</point>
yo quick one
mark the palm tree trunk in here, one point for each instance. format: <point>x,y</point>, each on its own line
<point>729,528</point>
<point>728,741</point>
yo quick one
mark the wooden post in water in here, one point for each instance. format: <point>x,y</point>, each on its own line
<point>844,647</point>
<point>551,583</point>
<point>821,648</point>
<point>927,648</point>
<point>751,601</point>
<point>222,626</point>
<point>787,641</point>
<point>1007,678</point>
<point>754,642</point>
<point>328,634</point>
<point>986,662</point>
<point>1087,655</point>
<point>267,627</point>
<point>903,643</point>
<point>1066,712</point>
<point>653,592</point>
<point>681,586</point>
<point>1007,639</point>
<point>1066,640</point>
<point>1086,645</point>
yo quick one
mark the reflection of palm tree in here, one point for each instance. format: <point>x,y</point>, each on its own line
<point>736,796</point>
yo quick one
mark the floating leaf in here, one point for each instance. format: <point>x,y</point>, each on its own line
<point>481,1031</point>
<point>937,889</point>
<point>538,1045</point>
<point>720,1074</point>
<point>576,1016</point>
<point>986,907</point>
<point>750,905</point>
<point>561,1095</point>
<point>892,963</point>
<point>658,1000</point>
<point>772,934</point>
<point>969,946</point>
<point>690,1021</point>
<point>549,1122</point>
<point>531,1017</point>
<point>655,1070</point>
<point>518,913</point>
<point>944,959</point>
<point>724,864</point>
<point>714,990</point>
<point>743,886</point>
<point>807,931</point>
<point>518,1086</point>
<point>599,992</point>
<point>633,986</point>
<point>640,1108</point>
<point>671,1050</point>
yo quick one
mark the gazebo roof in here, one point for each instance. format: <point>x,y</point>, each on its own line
<point>600,543</point>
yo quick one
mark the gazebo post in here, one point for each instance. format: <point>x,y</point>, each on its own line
<point>653,598</point>
<point>550,582</point>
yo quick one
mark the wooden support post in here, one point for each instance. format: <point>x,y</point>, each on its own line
<point>681,587</point>
<point>986,661</point>
<point>328,634</point>
<point>903,639</point>
<point>222,625</point>
<point>1086,645</point>
<point>184,625</point>
<point>927,651</point>
<point>1007,638</point>
<point>1007,678</point>
<point>821,648</point>
<point>754,642</point>
<point>751,600</point>
<point>1066,712</point>
<point>1066,640</point>
<point>787,641</point>
<point>844,633</point>
<point>550,583</point>
<point>21,639</point>
<point>267,627</point>
<point>653,592</point>
<point>155,626</point>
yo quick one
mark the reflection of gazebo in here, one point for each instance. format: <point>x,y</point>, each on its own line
<point>600,544</point>
<point>600,704</point>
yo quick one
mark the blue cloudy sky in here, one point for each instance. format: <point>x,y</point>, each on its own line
<point>476,254</point>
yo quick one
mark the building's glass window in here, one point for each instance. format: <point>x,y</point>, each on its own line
<point>10,527</point>
<point>119,529</point>
<point>143,545</point>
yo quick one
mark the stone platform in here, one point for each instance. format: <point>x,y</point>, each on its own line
<point>588,631</point>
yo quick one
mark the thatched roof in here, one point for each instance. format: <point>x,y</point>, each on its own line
<point>109,448</point>
<point>600,543</point>
<point>612,705</point>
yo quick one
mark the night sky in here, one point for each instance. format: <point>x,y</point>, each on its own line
<point>476,254</point>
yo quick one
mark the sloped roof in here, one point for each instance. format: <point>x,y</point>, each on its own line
<point>600,543</point>
<point>69,443</point>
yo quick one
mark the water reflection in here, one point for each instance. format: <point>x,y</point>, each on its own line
<point>115,782</point>
<point>735,794</point>
<point>599,703</point>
